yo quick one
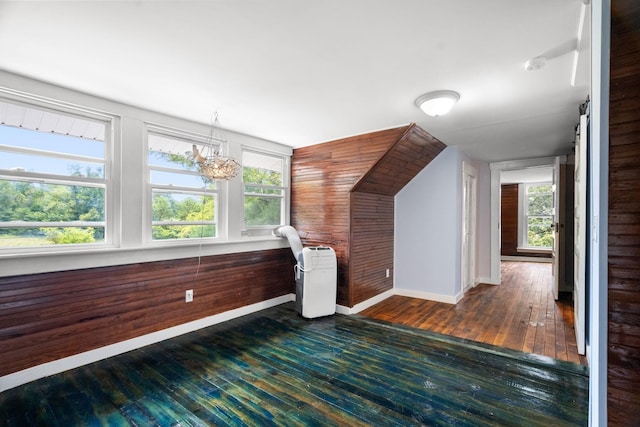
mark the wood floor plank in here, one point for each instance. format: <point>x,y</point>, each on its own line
<point>275,368</point>
<point>520,314</point>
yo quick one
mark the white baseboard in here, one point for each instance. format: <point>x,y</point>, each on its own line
<point>485,280</point>
<point>459,296</point>
<point>449,299</point>
<point>525,258</point>
<point>341,309</point>
<point>51,368</point>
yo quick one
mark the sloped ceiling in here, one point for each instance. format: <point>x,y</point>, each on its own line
<point>411,153</point>
<point>305,72</point>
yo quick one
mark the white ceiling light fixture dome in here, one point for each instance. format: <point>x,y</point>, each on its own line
<point>536,63</point>
<point>437,103</point>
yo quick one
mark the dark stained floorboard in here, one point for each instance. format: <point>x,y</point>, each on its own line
<point>275,368</point>
<point>520,314</point>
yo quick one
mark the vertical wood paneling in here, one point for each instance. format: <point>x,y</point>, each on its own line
<point>509,219</point>
<point>566,267</point>
<point>322,177</point>
<point>624,216</point>
<point>44,317</point>
<point>333,202</point>
<point>401,163</point>
<point>372,238</point>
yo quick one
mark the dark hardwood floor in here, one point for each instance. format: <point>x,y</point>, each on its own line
<point>520,314</point>
<point>274,368</point>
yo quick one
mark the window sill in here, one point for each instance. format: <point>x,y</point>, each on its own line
<point>534,250</point>
<point>14,264</point>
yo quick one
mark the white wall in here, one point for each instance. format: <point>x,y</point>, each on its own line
<point>426,223</point>
<point>428,227</point>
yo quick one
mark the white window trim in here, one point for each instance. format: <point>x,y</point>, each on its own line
<point>258,230</point>
<point>107,183</point>
<point>219,192</point>
<point>128,189</point>
<point>523,245</point>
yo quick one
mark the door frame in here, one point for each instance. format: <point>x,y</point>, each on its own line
<point>496,226</point>
<point>469,245</point>
<point>558,206</point>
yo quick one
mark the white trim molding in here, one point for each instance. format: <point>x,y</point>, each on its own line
<point>496,168</point>
<point>341,309</point>
<point>448,299</point>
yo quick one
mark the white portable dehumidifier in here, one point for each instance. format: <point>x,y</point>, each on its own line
<point>316,275</point>
<point>316,282</point>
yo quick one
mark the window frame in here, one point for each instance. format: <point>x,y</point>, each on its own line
<point>285,192</point>
<point>105,183</point>
<point>219,192</point>
<point>523,216</point>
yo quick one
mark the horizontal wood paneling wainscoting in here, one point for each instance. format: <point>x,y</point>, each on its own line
<point>342,195</point>
<point>624,216</point>
<point>49,316</point>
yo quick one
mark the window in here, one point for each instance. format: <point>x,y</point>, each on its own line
<point>265,187</point>
<point>183,205</point>
<point>54,178</point>
<point>538,218</point>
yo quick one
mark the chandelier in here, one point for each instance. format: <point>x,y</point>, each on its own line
<point>211,164</point>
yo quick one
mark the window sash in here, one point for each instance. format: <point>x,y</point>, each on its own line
<point>527,215</point>
<point>187,175</point>
<point>268,192</point>
<point>61,224</point>
<point>49,139</point>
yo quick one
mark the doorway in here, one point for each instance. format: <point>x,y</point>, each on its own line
<point>497,171</point>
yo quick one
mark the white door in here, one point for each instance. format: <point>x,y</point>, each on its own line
<point>555,250</point>
<point>580,237</point>
<point>469,175</point>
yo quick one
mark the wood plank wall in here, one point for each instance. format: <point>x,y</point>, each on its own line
<point>624,216</point>
<point>401,163</point>
<point>342,195</point>
<point>44,317</point>
<point>372,239</point>
<point>566,257</point>
<point>322,176</point>
<point>509,219</point>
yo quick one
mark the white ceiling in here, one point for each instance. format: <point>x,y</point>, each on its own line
<point>304,72</point>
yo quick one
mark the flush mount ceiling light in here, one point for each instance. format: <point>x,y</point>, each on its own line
<point>536,63</point>
<point>437,103</point>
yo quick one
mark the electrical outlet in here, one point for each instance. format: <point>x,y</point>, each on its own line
<point>188,296</point>
<point>387,272</point>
